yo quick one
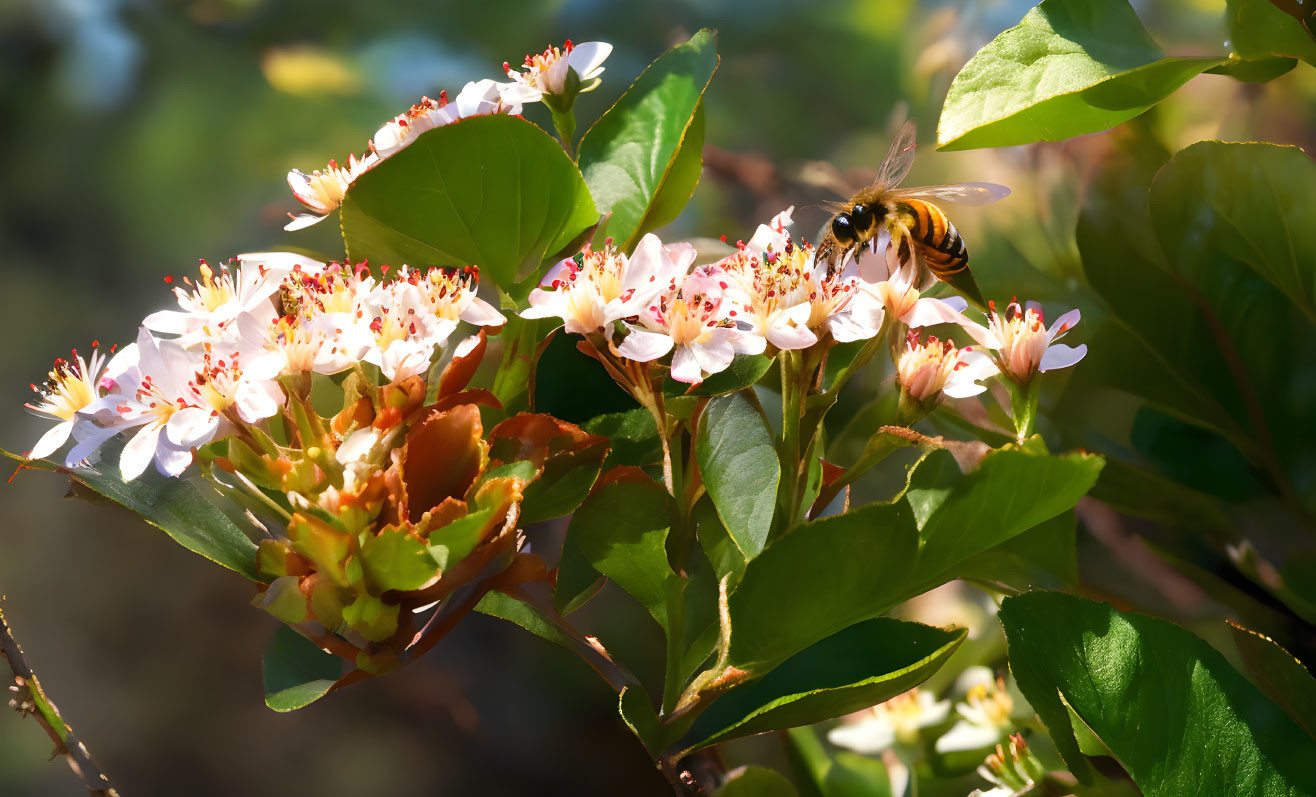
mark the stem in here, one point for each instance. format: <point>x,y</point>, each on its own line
<point>1023,408</point>
<point>565,125</point>
<point>788,448</point>
<point>31,699</point>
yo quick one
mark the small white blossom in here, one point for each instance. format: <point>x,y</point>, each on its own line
<point>897,721</point>
<point>1023,345</point>
<point>547,72</point>
<point>322,191</point>
<point>934,367</point>
<point>596,288</point>
<point>692,320</point>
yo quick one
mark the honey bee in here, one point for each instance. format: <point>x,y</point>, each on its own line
<point>918,228</point>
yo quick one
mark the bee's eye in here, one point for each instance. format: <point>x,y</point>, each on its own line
<point>862,216</point>
<point>843,227</point>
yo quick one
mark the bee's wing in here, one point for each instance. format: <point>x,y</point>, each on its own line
<point>898,159</point>
<point>972,194</point>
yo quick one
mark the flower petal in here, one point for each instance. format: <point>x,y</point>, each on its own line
<point>139,451</point>
<point>685,368</point>
<point>643,346</point>
<point>965,735</point>
<point>50,442</point>
<point>586,57</point>
<point>482,314</point>
<point>868,737</point>
<point>1058,355</point>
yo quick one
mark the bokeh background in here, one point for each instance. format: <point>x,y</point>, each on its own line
<point>138,136</point>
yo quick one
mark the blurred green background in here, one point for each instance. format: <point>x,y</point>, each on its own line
<point>139,136</point>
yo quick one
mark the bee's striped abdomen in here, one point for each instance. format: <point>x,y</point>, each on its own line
<point>938,240</point>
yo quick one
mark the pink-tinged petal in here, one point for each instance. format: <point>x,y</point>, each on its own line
<point>482,314</point>
<point>790,328</point>
<point>714,356</point>
<point>172,460</point>
<point>50,442</point>
<point>168,322</point>
<point>465,347</point>
<point>257,401</point>
<point>1058,355</point>
<point>303,220</point>
<point>587,57</point>
<point>546,304</point>
<point>94,438</point>
<point>1063,324</point>
<point>191,427</point>
<point>957,303</point>
<point>879,263</point>
<point>642,346</point>
<point>555,78</point>
<point>685,368</point>
<point>746,342</point>
<point>681,255</point>
<point>845,329</point>
<point>139,451</point>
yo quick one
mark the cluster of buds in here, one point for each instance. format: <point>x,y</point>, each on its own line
<point>1013,770</point>
<point>377,505</point>
<point>554,77</point>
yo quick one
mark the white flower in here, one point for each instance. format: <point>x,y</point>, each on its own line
<point>895,285</point>
<point>987,715</point>
<point>211,304</point>
<point>402,129</point>
<point>71,387</point>
<point>897,721</point>
<point>547,72</point>
<point>791,300</point>
<point>771,236</point>
<point>1024,345</point>
<point>596,288</point>
<point>321,191</point>
<point>926,370</point>
<point>692,320</point>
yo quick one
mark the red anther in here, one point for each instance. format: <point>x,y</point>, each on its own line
<point>724,239</point>
<point>168,279</point>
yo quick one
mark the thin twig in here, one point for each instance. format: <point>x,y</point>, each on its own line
<point>31,700</point>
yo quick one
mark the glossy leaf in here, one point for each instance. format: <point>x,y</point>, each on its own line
<point>631,157</point>
<point>738,461</point>
<point>1282,677</point>
<point>1166,704</point>
<point>834,572</point>
<point>1044,557</point>
<point>1257,29</point>
<point>177,507</point>
<point>1070,67</point>
<point>632,434</point>
<point>394,559</point>
<point>621,530</point>
<point>1197,208</point>
<point>297,673</point>
<point>1169,341</point>
<point>863,665</point>
<point>457,196</point>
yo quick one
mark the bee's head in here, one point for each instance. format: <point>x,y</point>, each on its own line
<point>864,216</point>
<point>843,228</point>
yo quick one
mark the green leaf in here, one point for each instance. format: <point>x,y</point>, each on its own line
<point>452,543</point>
<point>1282,677</point>
<point>297,673</point>
<point>632,156</point>
<point>1167,705</point>
<point>633,434</point>
<point>738,462</point>
<point>505,607</point>
<point>1070,67</point>
<point>493,191</point>
<point>1197,208</point>
<point>577,580</point>
<point>621,530</point>
<point>394,559</point>
<point>565,481</point>
<point>1254,70</point>
<point>831,573</point>
<point>636,709</point>
<point>863,665</point>
<point>1162,341</point>
<point>757,781</point>
<point>177,507</point>
<point>1257,29</point>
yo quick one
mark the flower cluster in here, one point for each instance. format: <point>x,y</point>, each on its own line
<point>246,339</point>
<point>772,294</point>
<point>544,78</point>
